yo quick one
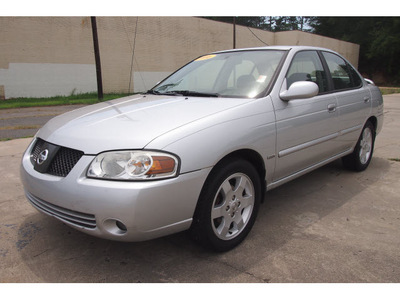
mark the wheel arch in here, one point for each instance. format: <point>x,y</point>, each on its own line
<point>254,158</point>
<point>201,230</point>
<point>374,122</point>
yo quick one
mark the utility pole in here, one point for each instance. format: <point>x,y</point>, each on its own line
<point>97,59</point>
<point>234,32</point>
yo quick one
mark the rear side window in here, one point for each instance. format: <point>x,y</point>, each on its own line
<point>343,75</point>
<point>307,66</point>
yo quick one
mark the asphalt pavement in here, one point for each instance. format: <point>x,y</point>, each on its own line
<point>25,122</point>
<point>330,225</point>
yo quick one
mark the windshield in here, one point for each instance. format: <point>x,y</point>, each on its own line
<point>231,74</point>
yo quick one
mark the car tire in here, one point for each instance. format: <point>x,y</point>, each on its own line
<point>362,154</point>
<point>227,206</point>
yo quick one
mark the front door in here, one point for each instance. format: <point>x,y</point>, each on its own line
<point>306,128</point>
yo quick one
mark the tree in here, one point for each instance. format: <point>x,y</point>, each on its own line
<point>270,23</point>
<point>384,48</point>
<point>255,22</point>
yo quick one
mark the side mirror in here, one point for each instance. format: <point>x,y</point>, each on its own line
<point>300,90</point>
<point>369,81</point>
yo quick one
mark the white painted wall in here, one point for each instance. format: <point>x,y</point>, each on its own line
<point>46,80</point>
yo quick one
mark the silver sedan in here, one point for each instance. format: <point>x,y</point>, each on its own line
<point>199,150</point>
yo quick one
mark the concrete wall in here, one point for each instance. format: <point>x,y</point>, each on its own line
<point>349,50</point>
<point>48,56</point>
<point>161,45</point>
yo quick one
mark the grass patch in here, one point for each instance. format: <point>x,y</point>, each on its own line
<point>20,127</point>
<point>91,98</point>
<point>395,159</point>
<point>87,98</point>
<point>389,90</point>
<point>9,139</point>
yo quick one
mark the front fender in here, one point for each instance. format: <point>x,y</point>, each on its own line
<point>206,141</point>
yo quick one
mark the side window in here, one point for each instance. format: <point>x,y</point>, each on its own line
<point>307,66</point>
<point>357,81</point>
<point>343,75</point>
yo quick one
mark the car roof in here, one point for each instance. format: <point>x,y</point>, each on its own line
<point>286,48</point>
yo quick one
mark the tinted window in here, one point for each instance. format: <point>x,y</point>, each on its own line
<point>343,75</point>
<point>356,79</point>
<point>307,66</point>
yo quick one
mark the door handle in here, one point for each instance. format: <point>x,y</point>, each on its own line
<point>366,99</point>
<point>331,108</point>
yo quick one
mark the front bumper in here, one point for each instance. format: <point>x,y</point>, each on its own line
<point>146,210</point>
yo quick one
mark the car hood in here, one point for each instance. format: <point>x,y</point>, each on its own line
<point>130,122</point>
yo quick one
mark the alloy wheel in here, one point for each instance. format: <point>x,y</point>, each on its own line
<point>232,206</point>
<point>365,145</point>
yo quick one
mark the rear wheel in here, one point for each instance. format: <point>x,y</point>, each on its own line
<point>362,154</point>
<point>227,206</point>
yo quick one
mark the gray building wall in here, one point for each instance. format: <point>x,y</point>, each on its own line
<point>48,56</point>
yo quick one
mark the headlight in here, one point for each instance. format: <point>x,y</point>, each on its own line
<point>133,165</point>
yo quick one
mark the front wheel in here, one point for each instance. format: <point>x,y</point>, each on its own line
<point>362,154</point>
<point>228,205</point>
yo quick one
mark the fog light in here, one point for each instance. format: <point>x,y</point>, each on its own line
<point>121,226</point>
<point>115,227</point>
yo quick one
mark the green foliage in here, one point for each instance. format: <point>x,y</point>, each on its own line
<point>378,37</point>
<point>269,23</point>
<point>389,90</point>
<point>255,22</point>
<point>385,45</point>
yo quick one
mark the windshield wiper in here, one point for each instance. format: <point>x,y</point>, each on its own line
<point>153,92</point>
<point>196,94</point>
<point>183,93</point>
<point>168,93</point>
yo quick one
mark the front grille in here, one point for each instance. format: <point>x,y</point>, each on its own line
<point>76,218</point>
<point>63,161</point>
<point>36,150</point>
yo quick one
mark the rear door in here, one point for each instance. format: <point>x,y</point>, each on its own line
<point>353,98</point>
